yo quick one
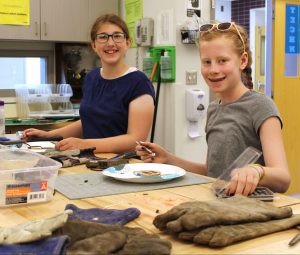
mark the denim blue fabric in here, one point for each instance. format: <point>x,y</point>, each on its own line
<point>49,246</point>
<point>106,216</point>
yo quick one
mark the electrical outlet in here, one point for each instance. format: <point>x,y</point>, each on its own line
<point>191,77</point>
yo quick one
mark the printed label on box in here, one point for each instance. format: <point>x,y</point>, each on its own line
<point>36,196</point>
<point>43,185</point>
<point>26,193</point>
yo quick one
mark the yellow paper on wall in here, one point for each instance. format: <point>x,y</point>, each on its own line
<point>133,12</point>
<point>15,12</point>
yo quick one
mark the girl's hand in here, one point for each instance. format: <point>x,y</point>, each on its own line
<point>158,155</point>
<point>244,180</point>
<point>70,144</point>
<point>33,132</point>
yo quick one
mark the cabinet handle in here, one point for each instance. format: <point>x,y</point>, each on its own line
<point>45,29</point>
<point>36,28</point>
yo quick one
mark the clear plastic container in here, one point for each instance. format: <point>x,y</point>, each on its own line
<point>148,64</point>
<point>44,99</point>
<point>166,66</point>
<point>249,156</point>
<point>26,177</point>
<point>60,98</point>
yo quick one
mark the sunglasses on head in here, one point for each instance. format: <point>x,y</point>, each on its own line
<point>222,27</point>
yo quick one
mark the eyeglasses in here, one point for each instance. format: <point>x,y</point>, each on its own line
<point>117,37</point>
<point>222,27</point>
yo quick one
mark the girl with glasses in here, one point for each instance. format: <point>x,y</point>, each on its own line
<point>118,100</point>
<point>238,119</point>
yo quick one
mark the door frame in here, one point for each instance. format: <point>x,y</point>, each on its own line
<point>269,47</point>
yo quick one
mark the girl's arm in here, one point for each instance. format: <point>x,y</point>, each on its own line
<point>163,156</point>
<point>276,174</point>
<point>189,166</point>
<point>71,130</point>
<point>140,118</point>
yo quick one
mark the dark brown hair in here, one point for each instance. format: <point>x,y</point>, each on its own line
<point>232,34</point>
<point>109,18</point>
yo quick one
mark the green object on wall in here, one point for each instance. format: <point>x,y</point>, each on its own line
<point>155,53</point>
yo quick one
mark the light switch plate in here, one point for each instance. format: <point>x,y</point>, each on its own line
<point>191,77</point>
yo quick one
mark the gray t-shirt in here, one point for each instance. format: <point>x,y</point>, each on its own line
<point>233,127</point>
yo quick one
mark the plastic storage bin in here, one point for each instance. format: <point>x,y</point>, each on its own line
<point>43,100</point>
<point>60,98</point>
<point>26,177</point>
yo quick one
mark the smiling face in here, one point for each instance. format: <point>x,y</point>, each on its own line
<point>221,66</point>
<point>110,52</point>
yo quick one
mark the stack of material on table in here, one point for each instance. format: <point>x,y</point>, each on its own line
<point>222,222</point>
<point>81,231</point>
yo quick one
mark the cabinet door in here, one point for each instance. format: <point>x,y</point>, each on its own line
<point>64,20</point>
<point>31,32</point>
<point>100,7</point>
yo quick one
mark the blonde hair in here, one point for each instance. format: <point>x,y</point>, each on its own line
<point>233,35</point>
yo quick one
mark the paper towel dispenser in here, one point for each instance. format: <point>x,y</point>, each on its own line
<point>195,108</point>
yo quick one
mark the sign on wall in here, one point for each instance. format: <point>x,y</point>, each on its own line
<point>133,12</point>
<point>193,7</point>
<point>292,29</point>
<point>292,40</point>
<point>15,12</point>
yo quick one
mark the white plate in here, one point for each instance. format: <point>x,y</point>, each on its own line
<point>140,172</point>
<point>39,147</point>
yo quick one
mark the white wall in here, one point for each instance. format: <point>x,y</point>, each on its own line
<point>171,126</point>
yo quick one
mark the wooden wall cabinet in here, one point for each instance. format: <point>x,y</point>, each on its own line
<point>60,20</point>
<point>31,32</point>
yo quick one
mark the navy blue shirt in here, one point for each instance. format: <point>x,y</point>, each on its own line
<point>105,104</point>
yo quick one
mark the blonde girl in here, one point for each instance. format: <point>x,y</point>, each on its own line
<point>239,118</point>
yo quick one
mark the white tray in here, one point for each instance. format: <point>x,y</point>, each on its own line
<point>144,172</point>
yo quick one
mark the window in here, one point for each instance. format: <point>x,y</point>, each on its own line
<point>25,63</point>
<point>22,70</point>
